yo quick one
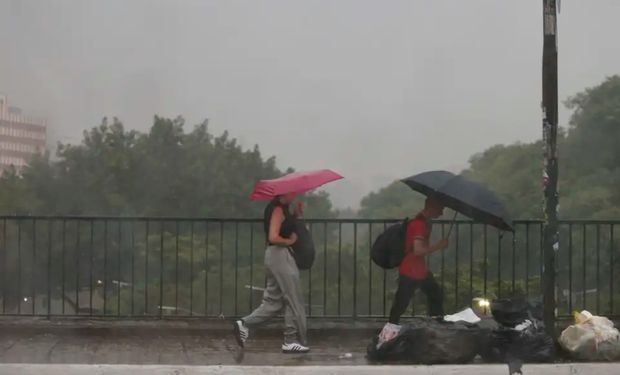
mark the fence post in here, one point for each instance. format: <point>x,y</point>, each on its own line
<point>550,172</point>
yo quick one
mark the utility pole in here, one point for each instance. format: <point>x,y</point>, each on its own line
<point>550,172</point>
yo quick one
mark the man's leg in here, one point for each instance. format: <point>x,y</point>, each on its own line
<point>434,295</point>
<point>406,287</point>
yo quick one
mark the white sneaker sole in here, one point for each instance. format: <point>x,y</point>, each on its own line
<point>295,351</point>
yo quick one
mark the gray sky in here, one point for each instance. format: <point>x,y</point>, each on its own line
<point>374,89</point>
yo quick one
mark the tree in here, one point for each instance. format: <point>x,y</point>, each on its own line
<point>589,166</point>
<point>396,200</point>
<point>165,172</point>
<point>114,172</point>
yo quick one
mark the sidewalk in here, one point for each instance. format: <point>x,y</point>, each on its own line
<point>65,346</point>
<point>173,343</point>
<point>561,369</point>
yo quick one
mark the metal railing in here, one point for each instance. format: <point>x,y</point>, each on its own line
<point>184,267</point>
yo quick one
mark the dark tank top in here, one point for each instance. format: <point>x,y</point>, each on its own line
<point>288,225</point>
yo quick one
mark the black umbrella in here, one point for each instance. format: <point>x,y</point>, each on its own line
<point>464,196</point>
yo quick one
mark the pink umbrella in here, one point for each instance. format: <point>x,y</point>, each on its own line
<point>297,182</point>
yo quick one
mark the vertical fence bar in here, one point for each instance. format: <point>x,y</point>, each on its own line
<point>19,267</point>
<point>310,278</point>
<point>611,269</point>
<point>34,264</point>
<point>583,275</point>
<point>443,273</point>
<point>176,268</point>
<point>146,266</point>
<point>499,265</point>
<point>339,265</point>
<point>542,259</point>
<point>354,270</point>
<point>191,269</point>
<point>598,269</point>
<point>471,263</point>
<point>62,265</point>
<point>161,270</point>
<point>49,268</point>
<point>486,264</point>
<point>206,267</point>
<point>221,268</point>
<point>91,266</point>
<point>105,266</point>
<point>324,268</point>
<point>456,267</point>
<point>78,253</point>
<point>118,267</point>
<point>514,261</point>
<point>251,266</point>
<point>4,267</point>
<point>369,269</point>
<point>133,267</point>
<point>384,282</point>
<point>570,268</point>
<point>236,264</point>
<point>527,260</point>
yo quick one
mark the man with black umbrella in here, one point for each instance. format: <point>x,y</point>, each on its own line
<point>413,273</point>
<point>442,189</point>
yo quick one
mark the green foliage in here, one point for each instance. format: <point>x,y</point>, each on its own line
<point>165,172</point>
<point>393,201</point>
<point>589,166</point>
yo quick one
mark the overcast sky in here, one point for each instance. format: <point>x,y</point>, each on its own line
<point>376,90</point>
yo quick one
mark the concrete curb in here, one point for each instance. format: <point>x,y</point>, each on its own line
<point>550,369</point>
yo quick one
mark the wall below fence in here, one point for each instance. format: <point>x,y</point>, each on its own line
<point>185,267</point>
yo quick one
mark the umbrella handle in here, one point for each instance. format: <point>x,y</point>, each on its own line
<point>452,224</point>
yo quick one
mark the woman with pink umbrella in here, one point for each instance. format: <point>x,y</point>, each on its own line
<point>283,287</point>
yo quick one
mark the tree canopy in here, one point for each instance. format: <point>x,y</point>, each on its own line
<point>589,167</point>
<point>165,172</point>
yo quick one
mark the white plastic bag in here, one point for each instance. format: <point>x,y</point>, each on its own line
<point>389,332</point>
<point>592,338</point>
<point>466,315</point>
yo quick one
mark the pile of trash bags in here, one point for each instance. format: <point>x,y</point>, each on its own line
<point>521,335</point>
<point>591,338</point>
<point>516,335</point>
<point>427,341</point>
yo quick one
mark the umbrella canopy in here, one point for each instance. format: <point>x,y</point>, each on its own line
<point>297,182</point>
<point>464,196</point>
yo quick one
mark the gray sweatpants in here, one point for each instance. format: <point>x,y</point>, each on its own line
<point>283,292</point>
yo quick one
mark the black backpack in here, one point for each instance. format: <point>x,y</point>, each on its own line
<point>388,250</point>
<point>303,249</point>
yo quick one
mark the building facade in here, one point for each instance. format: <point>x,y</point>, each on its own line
<point>20,137</point>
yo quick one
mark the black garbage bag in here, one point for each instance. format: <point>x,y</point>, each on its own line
<point>431,341</point>
<point>528,345</point>
<point>514,311</point>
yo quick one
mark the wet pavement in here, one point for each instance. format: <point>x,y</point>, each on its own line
<point>55,369</point>
<point>192,343</point>
<point>112,347</point>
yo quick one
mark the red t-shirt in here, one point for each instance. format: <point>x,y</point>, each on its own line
<point>414,266</point>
